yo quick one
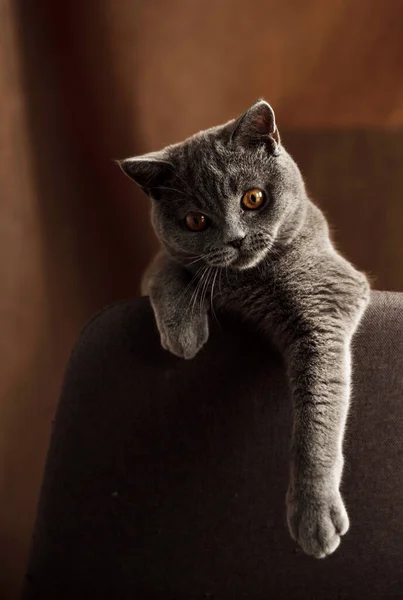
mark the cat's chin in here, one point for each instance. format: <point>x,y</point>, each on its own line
<point>247,261</point>
<point>239,261</point>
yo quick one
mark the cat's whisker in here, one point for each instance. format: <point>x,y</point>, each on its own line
<point>212,297</point>
<point>189,284</point>
<point>212,276</point>
<point>229,283</point>
<point>200,257</point>
<point>219,282</point>
<point>194,293</point>
<point>205,288</point>
<point>188,255</point>
<point>198,287</point>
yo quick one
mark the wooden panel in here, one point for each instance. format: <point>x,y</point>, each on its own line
<point>334,63</point>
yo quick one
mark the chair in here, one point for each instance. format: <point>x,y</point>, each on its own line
<point>167,478</point>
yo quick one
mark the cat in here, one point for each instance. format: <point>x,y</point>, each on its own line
<point>239,233</point>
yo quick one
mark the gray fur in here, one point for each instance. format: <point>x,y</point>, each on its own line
<point>287,279</point>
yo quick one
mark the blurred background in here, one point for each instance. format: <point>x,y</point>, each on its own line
<point>84,82</point>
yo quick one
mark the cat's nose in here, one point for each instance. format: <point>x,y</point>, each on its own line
<point>236,242</point>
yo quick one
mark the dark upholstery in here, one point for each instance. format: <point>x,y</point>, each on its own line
<point>166,478</point>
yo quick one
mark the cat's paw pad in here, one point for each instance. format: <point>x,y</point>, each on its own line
<point>317,522</point>
<point>184,338</point>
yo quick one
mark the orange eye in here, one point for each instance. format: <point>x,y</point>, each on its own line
<point>252,199</point>
<point>196,221</point>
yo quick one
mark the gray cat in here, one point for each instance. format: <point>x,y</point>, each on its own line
<point>240,234</point>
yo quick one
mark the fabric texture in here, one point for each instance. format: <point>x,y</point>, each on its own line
<point>167,478</point>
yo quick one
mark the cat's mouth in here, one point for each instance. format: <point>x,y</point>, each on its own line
<point>239,259</point>
<point>247,260</point>
<point>243,259</point>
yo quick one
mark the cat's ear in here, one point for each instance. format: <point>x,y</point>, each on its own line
<point>257,126</point>
<point>148,171</point>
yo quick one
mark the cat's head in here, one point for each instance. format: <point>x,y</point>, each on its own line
<point>225,195</point>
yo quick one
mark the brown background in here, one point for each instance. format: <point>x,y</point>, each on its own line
<point>84,82</point>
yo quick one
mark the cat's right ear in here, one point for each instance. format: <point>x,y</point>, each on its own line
<point>257,126</point>
<point>149,171</point>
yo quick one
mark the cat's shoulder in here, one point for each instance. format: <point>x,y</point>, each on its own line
<point>313,259</point>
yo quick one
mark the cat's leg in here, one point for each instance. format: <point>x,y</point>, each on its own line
<point>319,363</point>
<point>180,313</point>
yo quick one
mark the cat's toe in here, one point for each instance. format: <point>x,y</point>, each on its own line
<point>319,538</point>
<point>317,524</point>
<point>340,518</point>
<point>185,339</point>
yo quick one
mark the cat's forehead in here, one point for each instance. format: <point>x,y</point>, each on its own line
<point>210,164</point>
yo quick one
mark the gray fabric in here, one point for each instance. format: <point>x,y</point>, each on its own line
<point>156,487</point>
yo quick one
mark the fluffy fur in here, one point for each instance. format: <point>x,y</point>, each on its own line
<point>275,267</point>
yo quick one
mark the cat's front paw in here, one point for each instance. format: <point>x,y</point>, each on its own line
<point>182,336</point>
<point>317,520</point>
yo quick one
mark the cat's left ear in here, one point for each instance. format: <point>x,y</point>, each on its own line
<point>257,126</point>
<point>148,171</point>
